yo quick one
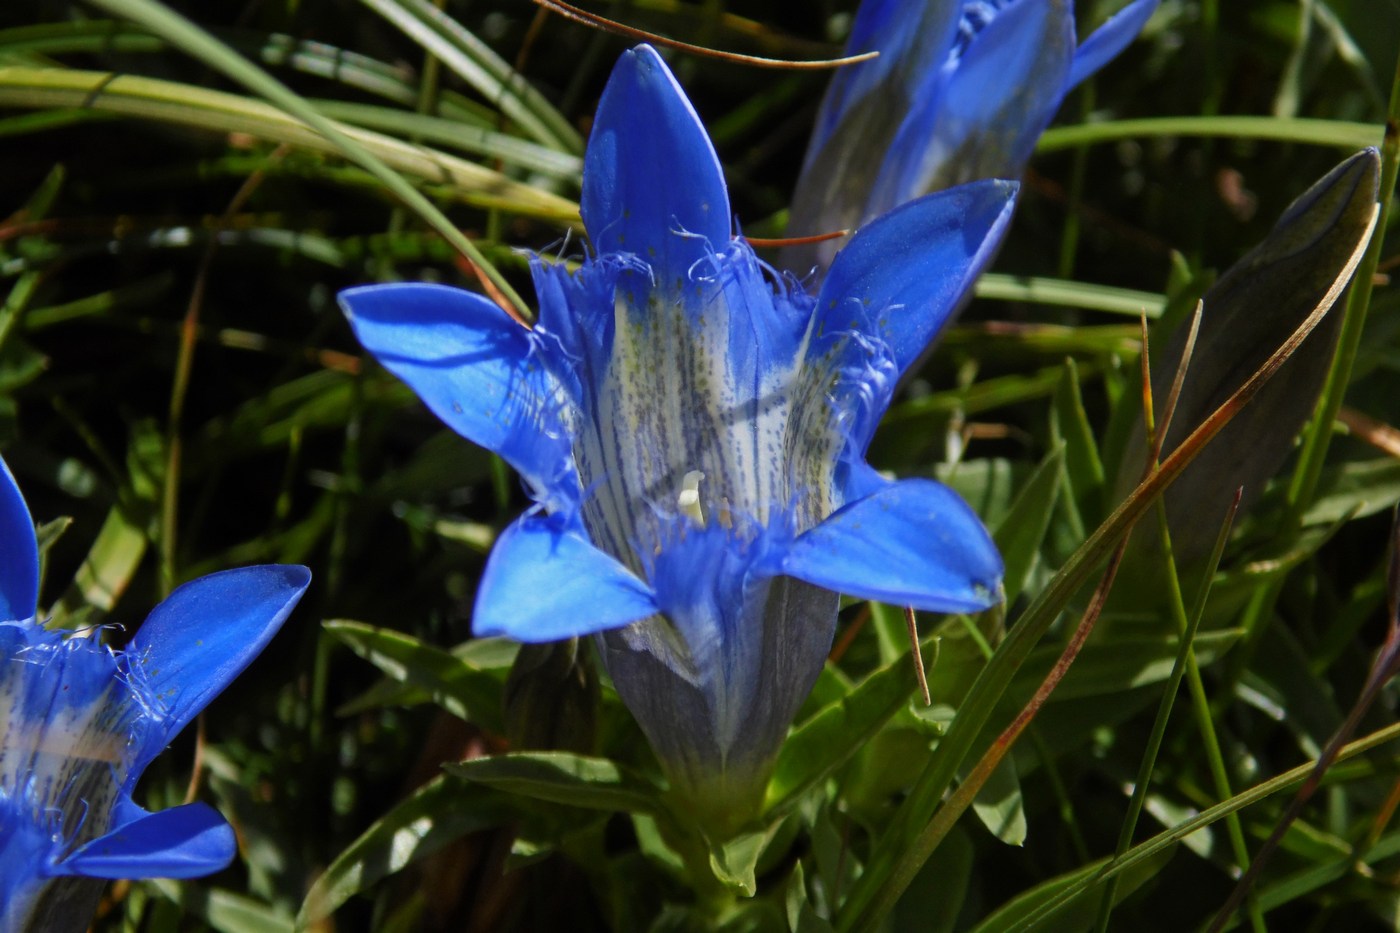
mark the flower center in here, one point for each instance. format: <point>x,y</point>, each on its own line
<point>69,726</point>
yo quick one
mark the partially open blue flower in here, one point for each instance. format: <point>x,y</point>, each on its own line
<point>961,90</point>
<point>693,428</point>
<point>80,722</point>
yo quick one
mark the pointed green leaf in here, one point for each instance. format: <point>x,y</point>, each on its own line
<point>1113,665</point>
<point>999,806</point>
<point>223,910</point>
<point>1021,531</point>
<point>1070,424</point>
<point>467,692</point>
<point>734,861</point>
<point>437,813</point>
<point>576,780</point>
<point>830,737</point>
<point>1077,914</point>
<point>802,917</point>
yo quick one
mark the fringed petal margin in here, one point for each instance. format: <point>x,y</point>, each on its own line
<point>204,634</point>
<point>650,171</point>
<point>473,366</point>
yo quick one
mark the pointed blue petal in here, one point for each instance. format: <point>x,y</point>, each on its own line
<point>205,633</point>
<point>545,581</point>
<point>19,553</point>
<point>912,37</point>
<point>473,366</point>
<point>1110,39</point>
<point>1007,85</point>
<point>650,171</point>
<point>863,111</point>
<point>183,842</point>
<point>904,273</point>
<point>912,543</point>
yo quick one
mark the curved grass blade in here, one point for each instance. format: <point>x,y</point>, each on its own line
<point>474,62</point>
<point>171,102</point>
<point>1064,293</point>
<point>1339,133</point>
<point>561,777</point>
<point>1146,850</point>
<point>198,43</point>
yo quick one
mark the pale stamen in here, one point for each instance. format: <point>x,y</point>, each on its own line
<point>689,499</point>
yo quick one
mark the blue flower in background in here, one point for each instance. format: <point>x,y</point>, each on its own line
<point>80,722</point>
<point>693,427</point>
<point>961,90</point>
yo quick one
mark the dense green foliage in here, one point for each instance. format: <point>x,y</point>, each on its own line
<point>176,378</point>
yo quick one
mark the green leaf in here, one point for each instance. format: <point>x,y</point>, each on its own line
<point>217,111</point>
<point>1336,133</point>
<point>1070,423</point>
<point>436,814</point>
<point>891,632</point>
<point>452,133</point>
<point>735,860</point>
<point>1078,913</point>
<point>1045,291</point>
<point>802,917</point>
<point>465,691</point>
<point>489,655</point>
<point>223,910</point>
<point>999,805</point>
<point>17,301</point>
<point>1354,490</point>
<point>105,573</point>
<point>1021,531</point>
<point>476,63</point>
<point>822,743</point>
<point>936,898</point>
<point>1111,666</point>
<point>576,780</point>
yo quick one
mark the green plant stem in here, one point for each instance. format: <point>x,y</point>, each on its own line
<point>1069,237</point>
<point>194,41</point>
<point>1185,659</point>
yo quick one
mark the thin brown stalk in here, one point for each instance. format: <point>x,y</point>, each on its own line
<point>569,11</point>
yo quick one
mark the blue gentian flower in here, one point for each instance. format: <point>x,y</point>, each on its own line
<point>79,723</point>
<point>961,90</point>
<point>692,426</point>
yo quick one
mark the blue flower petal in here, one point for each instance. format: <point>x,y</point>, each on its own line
<point>912,543</point>
<point>903,274</point>
<point>205,633</point>
<point>912,37</point>
<point>19,553</point>
<point>1110,39</point>
<point>650,171</point>
<point>473,366</point>
<point>545,581</point>
<point>1007,85</point>
<point>181,842</point>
